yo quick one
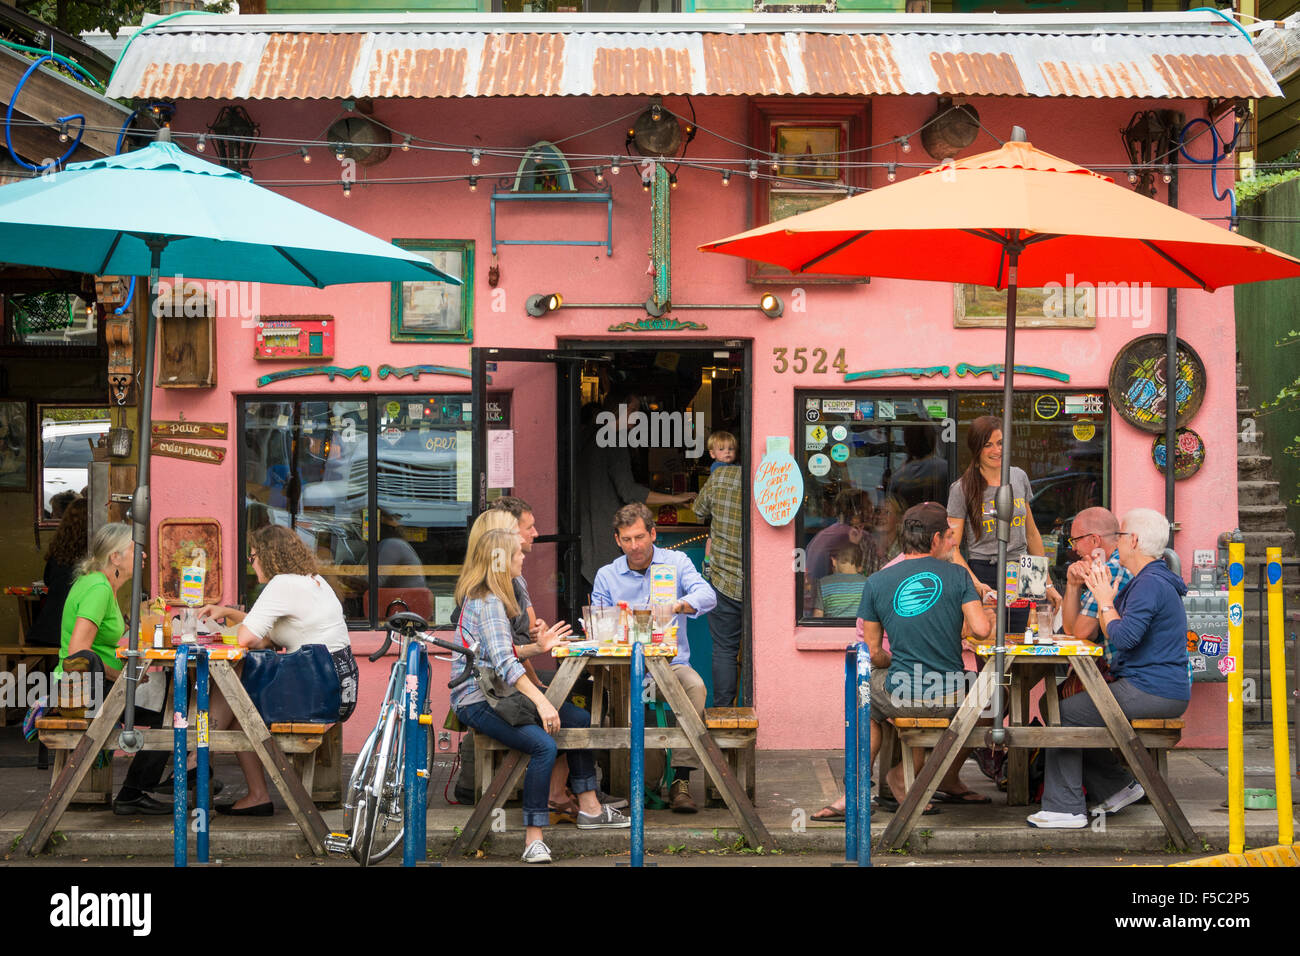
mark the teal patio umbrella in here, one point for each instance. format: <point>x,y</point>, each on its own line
<point>161,211</point>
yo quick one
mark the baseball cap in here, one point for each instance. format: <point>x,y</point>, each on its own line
<point>929,516</point>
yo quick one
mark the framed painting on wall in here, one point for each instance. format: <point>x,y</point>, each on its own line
<point>15,458</point>
<point>983,307</point>
<point>436,311</point>
<point>178,539</point>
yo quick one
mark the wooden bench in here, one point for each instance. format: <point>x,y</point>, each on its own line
<point>1157,735</point>
<point>734,729</point>
<point>14,655</point>
<point>308,746</point>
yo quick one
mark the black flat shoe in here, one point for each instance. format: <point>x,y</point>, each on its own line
<point>143,805</point>
<point>257,810</point>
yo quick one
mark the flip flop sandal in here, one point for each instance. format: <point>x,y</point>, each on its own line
<point>966,796</point>
<point>833,816</point>
<point>890,805</point>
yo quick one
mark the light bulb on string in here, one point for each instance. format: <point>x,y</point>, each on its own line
<point>63,132</point>
<point>202,144</point>
<point>672,180</point>
<point>475,157</point>
<point>306,156</point>
<point>347,189</point>
<point>726,177</point>
<point>1132,177</point>
<point>406,143</point>
<point>600,175</point>
<point>645,184</point>
<point>753,169</point>
<point>891,171</point>
<point>473,184</point>
<point>905,144</point>
<point>1167,174</point>
<point>776,163</point>
<point>615,165</point>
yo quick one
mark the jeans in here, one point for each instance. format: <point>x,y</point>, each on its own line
<point>725,624</point>
<point>540,746</point>
<point>1101,771</point>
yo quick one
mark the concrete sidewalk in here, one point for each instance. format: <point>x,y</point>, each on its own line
<point>792,785</point>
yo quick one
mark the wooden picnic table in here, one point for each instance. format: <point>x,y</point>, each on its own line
<point>251,734</point>
<point>32,657</point>
<point>1029,664</point>
<point>609,662</point>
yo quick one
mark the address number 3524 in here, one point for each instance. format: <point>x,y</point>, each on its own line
<point>797,361</point>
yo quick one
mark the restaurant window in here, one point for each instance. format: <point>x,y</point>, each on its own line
<point>867,457</point>
<point>379,487</point>
<point>818,148</point>
<point>69,436</point>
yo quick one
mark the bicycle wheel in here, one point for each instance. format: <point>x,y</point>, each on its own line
<point>390,825</point>
<point>374,816</point>
<point>357,805</point>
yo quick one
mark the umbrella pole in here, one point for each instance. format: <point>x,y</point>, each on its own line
<point>1004,499</point>
<point>132,740</point>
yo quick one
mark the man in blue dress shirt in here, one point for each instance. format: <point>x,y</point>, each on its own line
<point>628,579</point>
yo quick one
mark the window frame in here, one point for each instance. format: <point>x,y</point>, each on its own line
<point>767,114</point>
<point>373,403</point>
<point>803,615</point>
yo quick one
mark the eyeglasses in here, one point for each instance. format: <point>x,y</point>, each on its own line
<point>1074,542</point>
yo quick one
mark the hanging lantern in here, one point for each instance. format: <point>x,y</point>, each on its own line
<point>234,135</point>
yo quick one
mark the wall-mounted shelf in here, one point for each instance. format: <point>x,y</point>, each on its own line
<point>603,197</point>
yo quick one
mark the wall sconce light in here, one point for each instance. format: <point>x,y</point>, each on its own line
<point>1148,140</point>
<point>234,135</point>
<point>539,305</point>
<point>771,305</point>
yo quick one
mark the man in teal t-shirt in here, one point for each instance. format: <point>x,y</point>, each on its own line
<point>921,602</point>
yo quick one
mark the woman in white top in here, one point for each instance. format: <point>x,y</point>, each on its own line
<point>296,608</point>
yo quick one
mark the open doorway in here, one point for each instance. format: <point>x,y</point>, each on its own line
<point>705,384</point>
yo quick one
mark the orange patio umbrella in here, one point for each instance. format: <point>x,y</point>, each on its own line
<point>1016,215</point>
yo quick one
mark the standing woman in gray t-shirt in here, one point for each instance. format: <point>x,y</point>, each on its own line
<point>972,514</point>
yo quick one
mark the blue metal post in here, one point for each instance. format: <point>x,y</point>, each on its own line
<point>416,747</point>
<point>201,769</point>
<point>637,734</point>
<point>850,755</point>
<point>179,749</point>
<point>861,821</point>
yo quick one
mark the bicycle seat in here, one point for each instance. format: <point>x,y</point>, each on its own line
<point>406,620</point>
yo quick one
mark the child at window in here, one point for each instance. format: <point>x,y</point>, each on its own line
<point>840,593</point>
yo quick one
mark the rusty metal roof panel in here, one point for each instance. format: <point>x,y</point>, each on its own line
<point>473,63</point>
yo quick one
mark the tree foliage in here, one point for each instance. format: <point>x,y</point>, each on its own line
<point>80,16</point>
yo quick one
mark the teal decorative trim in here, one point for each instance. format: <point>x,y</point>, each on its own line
<point>665,324</point>
<point>660,239</point>
<point>330,370</point>
<point>415,371</point>
<point>928,372</point>
<point>965,368</point>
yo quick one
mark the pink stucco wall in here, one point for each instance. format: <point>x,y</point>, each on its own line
<point>886,323</point>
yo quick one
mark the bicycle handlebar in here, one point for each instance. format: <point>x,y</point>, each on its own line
<point>411,624</point>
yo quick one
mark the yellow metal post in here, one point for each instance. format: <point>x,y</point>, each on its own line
<point>1236,739</point>
<point>1277,693</point>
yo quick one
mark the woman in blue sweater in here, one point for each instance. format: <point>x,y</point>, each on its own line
<point>1147,629</point>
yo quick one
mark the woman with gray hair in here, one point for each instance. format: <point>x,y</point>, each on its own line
<point>1147,629</point>
<point>92,626</point>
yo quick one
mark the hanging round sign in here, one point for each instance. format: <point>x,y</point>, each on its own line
<point>1137,383</point>
<point>1189,455</point>
<point>778,487</point>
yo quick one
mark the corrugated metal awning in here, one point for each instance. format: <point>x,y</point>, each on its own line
<point>1144,55</point>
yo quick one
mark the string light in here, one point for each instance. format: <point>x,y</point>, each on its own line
<point>672,180</point>
<point>1132,177</point>
<point>475,157</point>
<point>600,175</point>
<point>406,143</point>
<point>615,164</point>
<point>753,169</point>
<point>776,163</point>
<point>347,189</point>
<point>306,156</point>
<point>1168,173</point>
<point>726,177</point>
<point>473,184</point>
<point>645,185</point>
<point>904,143</point>
<point>891,171</point>
<point>202,144</point>
<point>63,132</point>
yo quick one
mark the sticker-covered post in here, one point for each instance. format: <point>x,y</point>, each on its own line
<point>415,745</point>
<point>202,751</point>
<point>637,733</point>
<point>1236,743</point>
<point>1277,691</point>
<point>861,821</point>
<point>850,754</point>
<point>180,726</point>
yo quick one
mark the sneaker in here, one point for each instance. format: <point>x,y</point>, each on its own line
<point>1051,820</point>
<point>537,852</point>
<point>607,819</point>
<point>679,798</point>
<point>609,800</point>
<point>1121,798</point>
